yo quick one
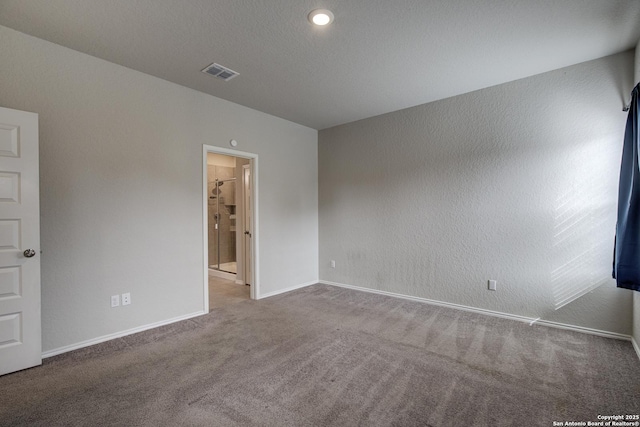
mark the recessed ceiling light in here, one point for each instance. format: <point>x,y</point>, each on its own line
<point>321,17</point>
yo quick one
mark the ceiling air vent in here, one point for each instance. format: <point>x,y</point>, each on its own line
<point>220,72</point>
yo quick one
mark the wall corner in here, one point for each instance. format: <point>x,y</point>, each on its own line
<point>636,78</point>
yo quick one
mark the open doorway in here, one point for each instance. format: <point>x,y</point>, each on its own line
<point>229,191</point>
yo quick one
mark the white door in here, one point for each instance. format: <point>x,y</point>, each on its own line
<point>246,182</point>
<point>20,328</point>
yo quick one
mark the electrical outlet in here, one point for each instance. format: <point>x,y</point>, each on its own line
<point>115,300</point>
<point>492,285</point>
<point>126,299</point>
<point>333,264</point>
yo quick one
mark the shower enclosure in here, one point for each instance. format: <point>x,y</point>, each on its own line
<point>222,218</point>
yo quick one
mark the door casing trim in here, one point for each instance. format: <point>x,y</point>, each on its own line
<point>255,272</point>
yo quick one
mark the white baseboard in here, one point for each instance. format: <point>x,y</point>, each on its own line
<point>121,334</point>
<point>636,346</point>
<point>584,330</point>
<point>529,320</point>
<point>289,289</point>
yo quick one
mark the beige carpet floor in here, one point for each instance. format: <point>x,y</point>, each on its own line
<point>326,356</point>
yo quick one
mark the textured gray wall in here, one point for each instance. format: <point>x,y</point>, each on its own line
<point>121,188</point>
<point>516,182</point>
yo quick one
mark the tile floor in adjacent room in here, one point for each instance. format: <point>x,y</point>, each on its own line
<point>223,292</point>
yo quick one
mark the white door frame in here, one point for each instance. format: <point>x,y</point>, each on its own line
<point>253,162</point>
<point>246,212</point>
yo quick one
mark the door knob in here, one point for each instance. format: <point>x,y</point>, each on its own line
<point>29,253</point>
<point>247,233</point>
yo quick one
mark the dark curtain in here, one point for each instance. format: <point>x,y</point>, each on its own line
<point>626,254</point>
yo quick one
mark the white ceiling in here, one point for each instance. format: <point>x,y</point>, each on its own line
<point>377,56</point>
